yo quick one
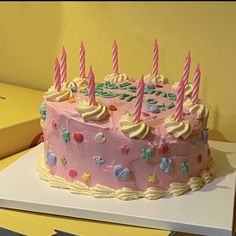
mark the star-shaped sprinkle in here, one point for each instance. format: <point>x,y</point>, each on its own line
<point>99,160</point>
<point>71,100</point>
<point>86,177</point>
<point>124,150</point>
<point>152,179</point>
<point>65,135</point>
<point>194,143</point>
<point>63,161</point>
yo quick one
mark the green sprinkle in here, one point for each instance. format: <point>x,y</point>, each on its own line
<point>170,105</point>
<point>129,97</point>
<point>63,161</point>
<point>150,101</point>
<point>171,96</point>
<point>158,92</point>
<point>124,84</point>
<point>108,94</point>
<point>132,89</point>
<point>163,94</point>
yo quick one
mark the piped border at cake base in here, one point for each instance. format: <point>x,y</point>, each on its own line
<point>100,191</point>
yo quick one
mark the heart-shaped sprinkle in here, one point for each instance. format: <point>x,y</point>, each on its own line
<point>121,173</point>
<point>99,138</point>
<point>51,158</point>
<point>112,108</point>
<point>73,173</point>
<point>124,150</point>
<point>78,137</point>
<point>199,159</point>
<point>54,124</point>
<point>163,149</point>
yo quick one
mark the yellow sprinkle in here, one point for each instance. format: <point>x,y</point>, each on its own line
<point>71,100</point>
<point>152,178</point>
<point>86,177</point>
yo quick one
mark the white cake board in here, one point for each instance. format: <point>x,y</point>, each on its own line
<point>207,212</point>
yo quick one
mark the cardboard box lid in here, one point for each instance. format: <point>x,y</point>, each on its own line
<point>19,119</point>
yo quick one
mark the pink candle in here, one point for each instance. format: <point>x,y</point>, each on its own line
<point>91,87</point>
<point>57,77</point>
<point>115,57</point>
<point>186,69</point>
<point>63,65</point>
<point>82,61</point>
<point>139,101</point>
<point>179,102</point>
<point>196,84</point>
<point>155,59</point>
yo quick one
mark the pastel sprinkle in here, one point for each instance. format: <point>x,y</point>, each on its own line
<point>152,179</point>
<point>124,150</point>
<point>194,143</point>
<point>78,137</point>
<point>63,161</point>
<point>146,154</point>
<point>199,158</point>
<point>185,167</point>
<point>99,160</point>
<point>164,149</point>
<point>166,165</point>
<point>86,177</point>
<point>100,138</point>
<point>51,158</point>
<point>71,100</point>
<point>65,135</point>
<point>121,173</point>
<point>73,173</point>
<point>54,124</point>
<point>112,108</point>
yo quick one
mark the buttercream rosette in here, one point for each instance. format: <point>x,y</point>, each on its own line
<point>155,79</point>
<point>135,130</point>
<point>116,78</point>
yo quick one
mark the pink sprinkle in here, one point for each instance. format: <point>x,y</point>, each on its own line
<point>54,124</point>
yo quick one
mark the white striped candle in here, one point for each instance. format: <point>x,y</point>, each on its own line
<point>91,88</point>
<point>63,65</point>
<point>186,69</point>
<point>196,83</point>
<point>139,101</point>
<point>57,77</point>
<point>115,57</point>
<point>179,102</point>
<point>82,61</point>
<point>155,59</point>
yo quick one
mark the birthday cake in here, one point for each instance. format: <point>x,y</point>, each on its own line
<point>125,139</point>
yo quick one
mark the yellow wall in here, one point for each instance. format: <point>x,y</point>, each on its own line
<point>32,34</point>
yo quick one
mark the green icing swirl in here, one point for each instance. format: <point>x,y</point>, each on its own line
<point>158,92</point>
<point>132,89</point>
<point>150,101</point>
<point>170,105</point>
<point>171,96</point>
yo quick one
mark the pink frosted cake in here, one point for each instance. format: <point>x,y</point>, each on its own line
<point>99,150</point>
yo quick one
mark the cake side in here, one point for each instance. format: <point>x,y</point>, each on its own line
<point>170,158</point>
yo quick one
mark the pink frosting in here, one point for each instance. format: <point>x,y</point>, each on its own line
<point>80,156</point>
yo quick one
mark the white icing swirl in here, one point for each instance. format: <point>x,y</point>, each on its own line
<point>179,129</point>
<point>116,78</point>
<point>199,109</point>
<point>59,96</point>
<point>195,183</point>
<point>81,82</point>
<point>100,191</point>
<point>206,176</point>
<point>159,79</point>
<point>97,112</point>
<point>154,193</point>
<point>187,90</point>
<point>178,188</point>
<point>128,194</point>
<point>139,130</point>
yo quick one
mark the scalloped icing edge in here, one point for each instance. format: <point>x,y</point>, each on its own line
<point>100,191</point>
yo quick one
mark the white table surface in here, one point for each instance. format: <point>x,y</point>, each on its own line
<point>208,211</point>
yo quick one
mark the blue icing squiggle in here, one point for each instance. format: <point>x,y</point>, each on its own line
<point>185,167</point>
<point>51,158</point>
<point>205,135</point>
<point>43,111</point>
<point>166,164</point>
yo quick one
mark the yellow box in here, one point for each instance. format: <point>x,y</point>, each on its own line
<point>19,118</point>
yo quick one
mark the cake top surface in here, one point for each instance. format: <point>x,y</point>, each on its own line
<point>115,102</point>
